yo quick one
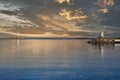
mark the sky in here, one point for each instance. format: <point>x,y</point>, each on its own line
<point>60,18</point>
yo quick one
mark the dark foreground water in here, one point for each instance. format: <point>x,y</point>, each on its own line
<point>58,60</point>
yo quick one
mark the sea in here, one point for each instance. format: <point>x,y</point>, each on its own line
<point>44,59</point>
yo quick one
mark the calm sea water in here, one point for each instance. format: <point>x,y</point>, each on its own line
<point>58,60</point>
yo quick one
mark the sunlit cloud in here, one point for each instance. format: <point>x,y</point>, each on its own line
<point>73,15</point>
<point>104,10</point>
<point>58,23</point>
<point>46,34</point>
<point>62,1</point>
<point>104,4</point>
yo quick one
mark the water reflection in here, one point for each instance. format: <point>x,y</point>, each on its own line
<point>29,53</point>
<point>102,47</point>
<point>58,60</point>
<point>17,46</point>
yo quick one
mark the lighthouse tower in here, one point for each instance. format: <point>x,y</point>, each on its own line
<point>102,34</point>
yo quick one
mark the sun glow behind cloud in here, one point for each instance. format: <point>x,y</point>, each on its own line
<point>58,23</point>
<point>46,34</point>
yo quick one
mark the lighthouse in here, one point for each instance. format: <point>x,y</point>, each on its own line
<point>103,40</point>
<point>102,34</point>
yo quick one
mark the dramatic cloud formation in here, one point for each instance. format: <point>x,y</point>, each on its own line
<point>105,4</point>
<point>58,23</point>
<point>72,15</point>
<point>83,18</point>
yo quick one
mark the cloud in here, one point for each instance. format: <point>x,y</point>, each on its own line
<point>62,1</point>
<point>59,16</point>
<point>47,34</point>
<point>104,4</point>
<point>12,17</point>
<point>104,10</point>
<point>14,21</point>
<point>8,6</point>
<point>73,15</point>
<point>57,23</point>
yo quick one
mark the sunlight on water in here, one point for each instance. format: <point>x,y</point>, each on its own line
<point>58,60</point>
